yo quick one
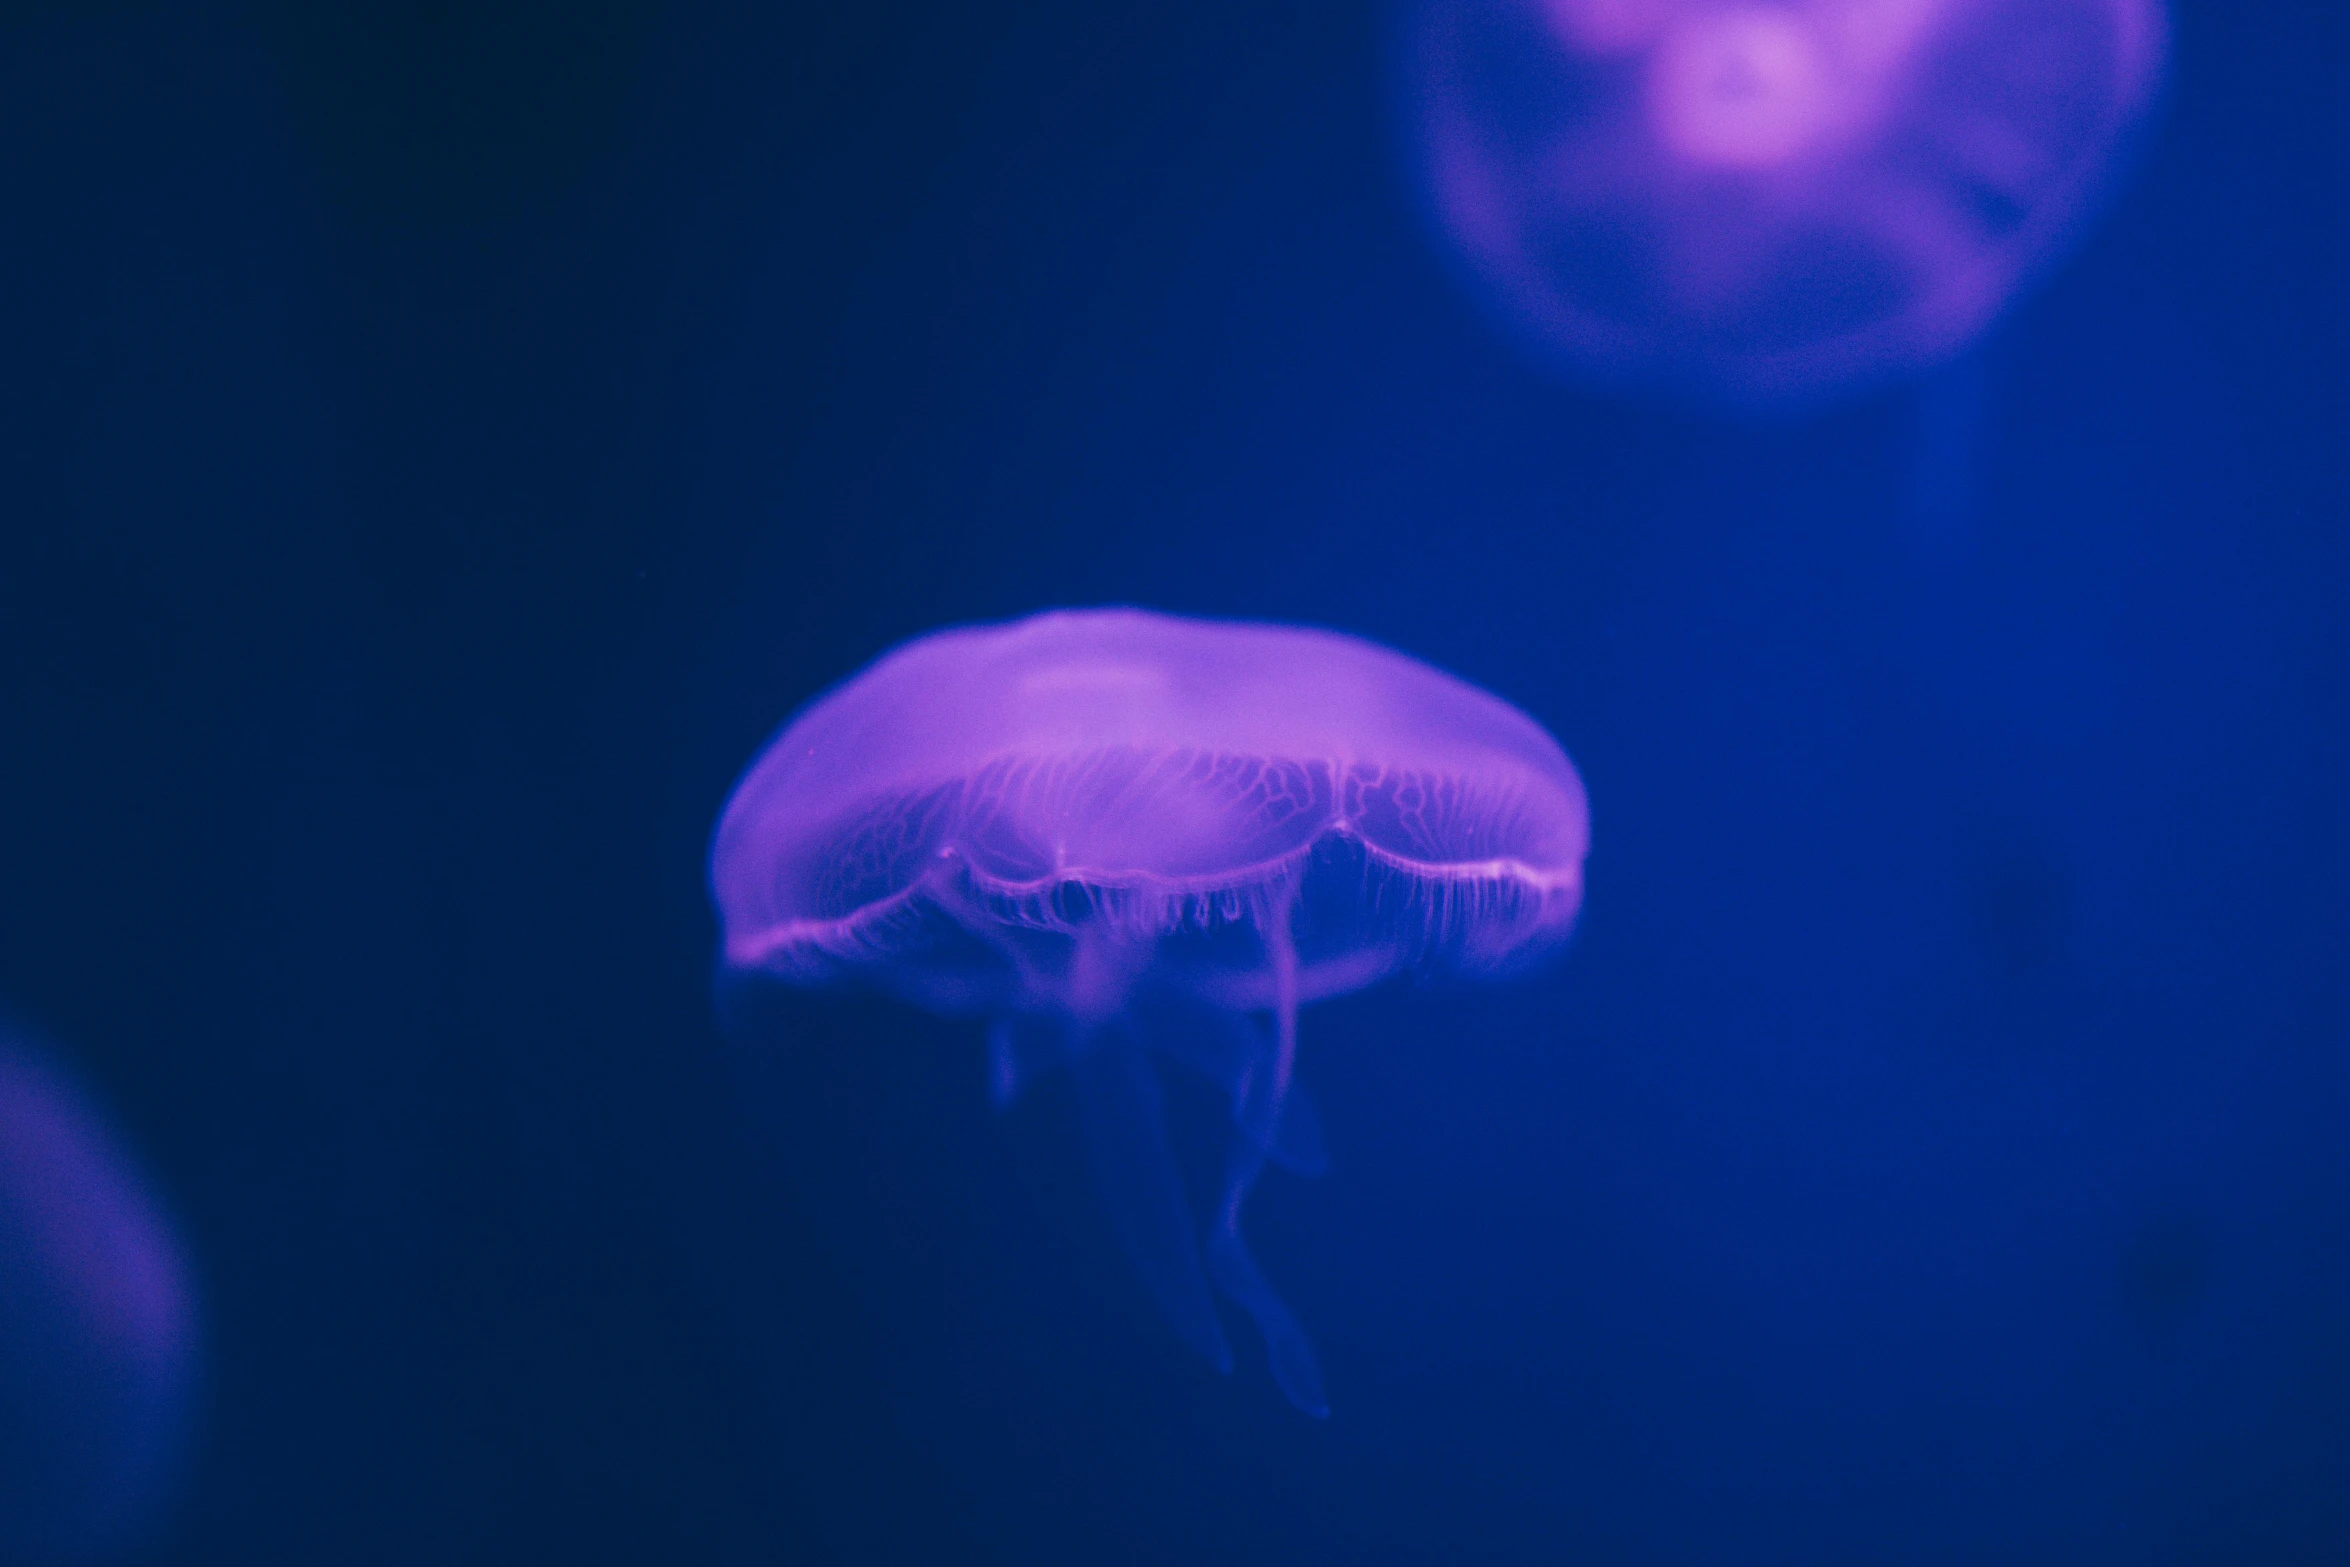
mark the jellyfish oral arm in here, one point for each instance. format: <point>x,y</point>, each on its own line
<point>1122,1113</point>
<point>1222,1044</point>
<point>1124,1120</point>
<point>1264,1086</point>
<point>1019,1047</point>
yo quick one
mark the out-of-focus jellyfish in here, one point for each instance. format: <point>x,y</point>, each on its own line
<point>1129,837</point>
<point>1767,200</point>
<point>98,1338</point>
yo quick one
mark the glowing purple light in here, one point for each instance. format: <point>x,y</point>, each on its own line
<point>1768,199</point>
<point>97,1328</point>
<point>1124,836</point>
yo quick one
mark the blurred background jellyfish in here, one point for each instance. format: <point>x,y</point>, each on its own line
<point>1127,837</point>
<point>1768,200</point>
<point>97,1328</point>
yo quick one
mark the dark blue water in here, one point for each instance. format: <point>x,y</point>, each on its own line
<point>440,445</point>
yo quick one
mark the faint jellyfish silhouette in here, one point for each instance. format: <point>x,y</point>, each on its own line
<point>98,1341</point>
<point>1768,200</point>
<point>1126,837</point>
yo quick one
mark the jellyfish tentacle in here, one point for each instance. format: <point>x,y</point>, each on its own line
<point>1298,1144</point>
<point>1296,1369</point>
<point>1264,1085</point>
<point>1124,1118</point>
<point>1265,1077</point>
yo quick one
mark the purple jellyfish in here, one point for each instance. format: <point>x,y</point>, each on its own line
<point>97,1329</point>
<point>1768,200</point>
<point>1126,836</point>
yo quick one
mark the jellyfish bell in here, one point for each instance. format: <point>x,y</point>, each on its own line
<point>1130,838</point>
<point>98,1347</point>
<point>1748,91</point>
<point>1767,201</point>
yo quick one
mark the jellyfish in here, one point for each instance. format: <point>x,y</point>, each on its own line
<point>1767,201</point>
<point>97,1328</point>
<point>1131,839</point>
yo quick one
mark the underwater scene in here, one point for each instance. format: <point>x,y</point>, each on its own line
<point>1421,781</point>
